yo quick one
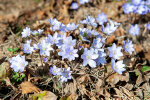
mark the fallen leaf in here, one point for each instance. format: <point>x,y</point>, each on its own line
<point>28,87</point>
<point>110,39</point>
<point>83,78</point>
<point>43,95</point>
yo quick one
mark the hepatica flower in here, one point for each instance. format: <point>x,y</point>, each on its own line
<point>53,39</point>
<point>147,26</point>
<point>69,42</point>
<point>101,57</point>
<point>97,44</point>
<point>45,48</point>
<point>55,71</point>
<point>71,27</point>
<point>128,46</point>
<point>69,53</point>
<point>88,57</point>
<point>27,48</point>
<point>134,30</point>
<point>18,63</point>
<point>74,5</point>
<point>83,1</point>
<point>65,75</point>
<point>115,52</point>
<point>118,67</point>
<point>110,27</point>
<point>101,18</point>
<point>90,21</point>
<point>26,32</point>
<point>38,32</point>
<point>136,2</point>
<point>128,8</point>
<point>142,9</point>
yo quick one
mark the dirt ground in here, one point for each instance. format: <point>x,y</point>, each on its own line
<point>91,84</point>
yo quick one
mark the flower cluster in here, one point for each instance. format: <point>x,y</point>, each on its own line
<point>64,74</point>
<point>138,6</point>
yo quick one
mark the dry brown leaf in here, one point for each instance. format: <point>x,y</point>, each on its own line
<point>127,92</point>
<point>139,80</point>
<point>72,97</point>
<point>46,95</point>
<point>118,92</point>
<point>115,78</point>
<point>83,78</point>
<point>111,39</point>
<point>28,87</point>
<point>70,89</point>
<point>129,86</point>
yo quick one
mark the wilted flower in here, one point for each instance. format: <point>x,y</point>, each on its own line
<point>74,5</point>
<point>55,71</point>
<point>27,48</point>
<point>118,67</point>
<point>65,75</point>
<point>90,21</point>
<point>18,63</point>
<point>88,57</point>
<point>45,48</point>
<point>115,52</point>
<point>101,18</point>
<point>134,30</point>
<point>26,32</point>
<point>128,46</point>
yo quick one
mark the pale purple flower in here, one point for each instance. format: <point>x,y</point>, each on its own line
<point>18,63</point>
<point>136,2</point>
<point>88,57</point>
<point>71,27</point>
<point>147,26</point>
<point>101,18</point>
<point>45,48</point>
<point>74,5</point>
<point>61,40</point>
<point>90,21</point>
<point>128,8</point>
<point>134,30</point>
<point>45,60</point>
<point>115,52</point>
<point>53,39</point>
<point>69,52</point>
<point>97,44</point>
<point>65,75</point>
<point>83,34</point>
<point>55,71</point>
<point>128,46</point>
<point>27,47</point>
<point>37,32</point>
<point>35,46</point>
<point>69,41</point>
<point>141,9</point>
<point>110,28</point>
<point>118,67</point>
<point>148,2</point>
<point>26,32</point>
<point>83,1</point>
<point>101,57</point>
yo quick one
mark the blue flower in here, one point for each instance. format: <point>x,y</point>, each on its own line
<point>69,52</point>
<point>26,32</point>
<point>71,27</point>
<point>65,75</point>
<point>97,44</point>
<point>45,60</point>
<point>38,32</point>
<point>55,71</point>
<point>69,42</point>
<point>18,63</point>
<point>27,48</point>
<point>128,8</point>
<point>83,34</point>
<point>101,57</point>
<point>90,21</point>
<point>45,48</point>
<point>110,28</point>
<point>83,1</point>
<point>115,52</point>
<point>74,5</point>
<point>136,2</point>
<point>128,46</point>
<point>147,26</point>
<point>118,67</point>
<point>148,2</point>
<point>101,18</point>
<point>88,57</point>
<point>141,9</point>
<point>134,30</point>
<point>53,39</point>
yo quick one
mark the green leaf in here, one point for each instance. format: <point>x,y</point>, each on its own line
<point>15,49</point>
<point>10,49</point>
<point>110,44</point>
<point>145,68</point>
